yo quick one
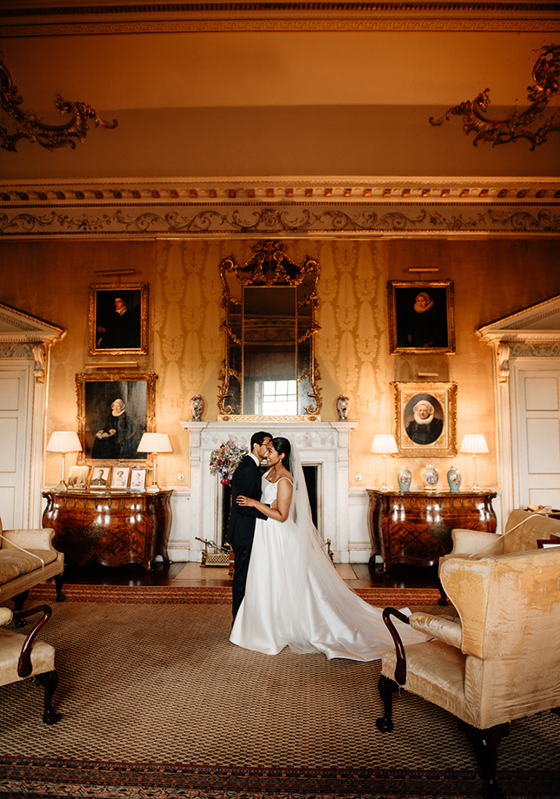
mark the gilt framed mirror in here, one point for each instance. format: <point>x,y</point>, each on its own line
<point>270,304</point>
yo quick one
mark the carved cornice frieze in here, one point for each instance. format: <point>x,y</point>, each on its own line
<point>535,349</point>
<point>18,350</point>
<point>379,219</point>
<point>280,207</point>
<point>53,19</point>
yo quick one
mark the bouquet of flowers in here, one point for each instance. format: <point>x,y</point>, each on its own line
<point>225,460</point>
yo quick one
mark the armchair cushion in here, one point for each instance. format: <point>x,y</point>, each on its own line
<point>14,563</point>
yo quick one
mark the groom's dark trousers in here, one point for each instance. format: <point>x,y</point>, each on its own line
<point>246,482</point>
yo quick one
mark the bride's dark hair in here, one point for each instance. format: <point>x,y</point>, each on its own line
<point>282,445</point>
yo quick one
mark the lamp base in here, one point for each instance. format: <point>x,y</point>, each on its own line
<point>384,487</point>
<point>153,489</point>
<point>61,487</point>
<point>476,487</point>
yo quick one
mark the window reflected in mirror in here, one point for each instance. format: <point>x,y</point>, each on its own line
<point>269,322</point>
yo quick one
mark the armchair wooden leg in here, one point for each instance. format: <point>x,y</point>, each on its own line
<point>387,688</point>
<point>442,595</point>
<point>485,744</point>
<point>49,681</point>
<point>59,580</point>
<point>19,602</point>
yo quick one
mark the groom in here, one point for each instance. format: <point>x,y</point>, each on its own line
<point>246,482</point>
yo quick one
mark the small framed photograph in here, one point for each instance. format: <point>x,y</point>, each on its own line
<point>99,480</point>
<point>425,419</point>
<point>78,478</point>
<point>421,317</point>
<point>118,319</point>
<point>138,479</point>
<point>119,478</point>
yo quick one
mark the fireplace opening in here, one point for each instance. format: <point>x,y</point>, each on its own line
<point>310,474</point>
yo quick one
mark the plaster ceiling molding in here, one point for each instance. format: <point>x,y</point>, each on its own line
<point>546,72</point>
<point>531,333</point>
<point>79,17</point>
<point>25,336</point>
<point>16,124</point>
<point>226,207</point>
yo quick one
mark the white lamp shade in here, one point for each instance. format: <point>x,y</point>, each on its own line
<point>474,444</point>
<point>384,444</point>
<point>155,442</point>
<point>61,441</point>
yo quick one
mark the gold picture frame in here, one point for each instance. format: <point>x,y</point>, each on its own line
<point>412,415</point>
<point>421,317</point>
<point>118,319</point>
<point>110,434</point>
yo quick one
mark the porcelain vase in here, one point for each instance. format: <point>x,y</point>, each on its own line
<point>404,477</point>
<point>454,479</point>
<point>430,476</point>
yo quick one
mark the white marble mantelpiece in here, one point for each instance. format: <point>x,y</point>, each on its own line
<point>321,444</point>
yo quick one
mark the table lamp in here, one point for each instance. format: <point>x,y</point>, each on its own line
<point>474,444</point>
<point>384,445</point>
<point>63,442</point>
<point>154,443</point>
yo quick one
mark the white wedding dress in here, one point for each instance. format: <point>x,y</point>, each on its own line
<point>294,597</point>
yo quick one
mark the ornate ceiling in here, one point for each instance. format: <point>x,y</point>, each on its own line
<point>284,119</point>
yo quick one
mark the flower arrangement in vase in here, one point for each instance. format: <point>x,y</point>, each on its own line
<point>225,460</point>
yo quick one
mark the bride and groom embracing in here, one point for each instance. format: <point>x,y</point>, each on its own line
<point>286,591</point>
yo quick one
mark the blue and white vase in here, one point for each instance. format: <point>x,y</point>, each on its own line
<point>404,476</point>
<point>430,476</point>
<point>454,479</point>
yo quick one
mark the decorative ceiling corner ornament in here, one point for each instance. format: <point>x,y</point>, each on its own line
<point>545,75</point>
<point>28,127</point>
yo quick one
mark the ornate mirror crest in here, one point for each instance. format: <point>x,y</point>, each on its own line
<point>269,370</point>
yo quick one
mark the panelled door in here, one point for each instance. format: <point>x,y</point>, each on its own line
<point>16,407</point>
<point>536,434</point>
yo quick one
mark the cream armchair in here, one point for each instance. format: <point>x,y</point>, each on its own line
<point>523,531</point>
<point>498,662</point>
<point>22,657</point>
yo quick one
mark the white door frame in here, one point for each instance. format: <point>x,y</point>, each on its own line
<point>527,339</point>
<point>25,343</point>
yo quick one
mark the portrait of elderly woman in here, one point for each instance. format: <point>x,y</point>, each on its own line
<point>426,425</point>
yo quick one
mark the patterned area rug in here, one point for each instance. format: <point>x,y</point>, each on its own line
<point>157,703</point>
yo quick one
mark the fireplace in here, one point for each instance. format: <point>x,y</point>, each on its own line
<point>323,447</point>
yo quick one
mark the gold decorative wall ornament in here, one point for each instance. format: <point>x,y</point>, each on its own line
<point>545,75</point>
<point>27,126</point>
<point>270,304</point>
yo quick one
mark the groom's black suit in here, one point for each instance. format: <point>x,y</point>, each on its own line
<point>246,482</point>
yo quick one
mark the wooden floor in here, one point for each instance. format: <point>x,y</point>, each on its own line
<point>357,575</point>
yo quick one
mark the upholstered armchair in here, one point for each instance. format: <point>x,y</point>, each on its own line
<point>524,529</point>
<point>21,656</point>
<point>499,661</point>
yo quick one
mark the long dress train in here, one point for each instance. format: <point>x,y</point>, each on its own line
<point>295,597</point>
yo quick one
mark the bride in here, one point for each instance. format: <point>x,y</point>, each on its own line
<point>294,596</point>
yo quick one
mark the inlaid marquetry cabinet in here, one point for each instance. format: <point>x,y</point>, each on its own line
<point>111,529</point>
<point>415,527</point>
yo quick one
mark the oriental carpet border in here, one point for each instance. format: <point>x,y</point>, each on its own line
<point>213,595</point>
<point>57,777</point>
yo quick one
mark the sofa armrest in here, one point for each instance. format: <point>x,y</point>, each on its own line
<point>450,632</point>
<point>28,539</point>
<point>5,616</point>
